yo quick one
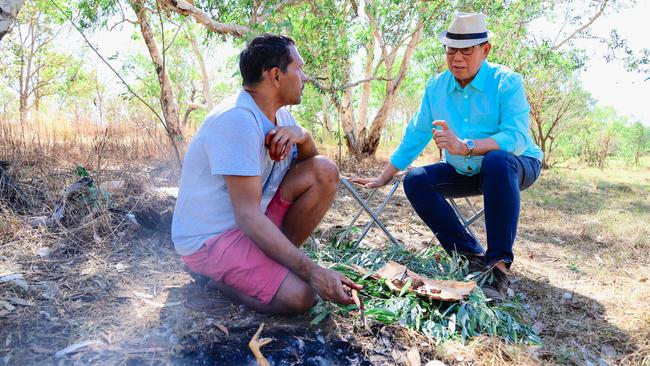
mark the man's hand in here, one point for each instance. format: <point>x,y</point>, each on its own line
<point>369,183</point>
<point>280,140</point>
<point>378,181</point>
<point>329,285</point>
<point>445,139</point>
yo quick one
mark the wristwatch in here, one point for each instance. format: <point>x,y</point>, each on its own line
<point>469,144</point>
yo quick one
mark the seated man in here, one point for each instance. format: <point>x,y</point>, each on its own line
<point>253,187</point>
<point>477,112</point>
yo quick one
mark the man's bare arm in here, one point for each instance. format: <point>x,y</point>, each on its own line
<point>308,148</point>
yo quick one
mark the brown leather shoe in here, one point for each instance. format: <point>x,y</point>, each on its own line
<point>475,263</point>
<point>496,285</point>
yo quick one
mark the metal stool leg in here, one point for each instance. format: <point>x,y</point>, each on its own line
<point>373,215</point>
<point>379,211</point>
<point>356,216</point>
<point>467,223</point>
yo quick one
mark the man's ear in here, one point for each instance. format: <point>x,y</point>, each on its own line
<point>275,75</point>
<point>487,49</point>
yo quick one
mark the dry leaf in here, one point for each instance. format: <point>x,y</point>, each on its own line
<point>7,306</point>
<point>17,279</point>
<point>39,349</point>
<point>355,297</point>
<point>165,305</point>
<point>361,306</point>
<point>222,328</point>
<point>19,301</point>
<point>143,295</point>
<point>397,275</point>
<point>413,357</point>
<point>74,347</point>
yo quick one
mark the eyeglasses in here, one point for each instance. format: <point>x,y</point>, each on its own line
<point>465,51</point>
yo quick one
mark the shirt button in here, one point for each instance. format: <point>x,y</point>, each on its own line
<point>465,119</point>
<point>466,97</point>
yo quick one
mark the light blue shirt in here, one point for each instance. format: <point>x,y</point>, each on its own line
<point>493,105</point>
<point>229,142</point>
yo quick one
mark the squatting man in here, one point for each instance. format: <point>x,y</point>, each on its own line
<point>253,187</point>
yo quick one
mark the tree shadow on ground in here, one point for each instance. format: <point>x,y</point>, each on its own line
<point>574,328</point>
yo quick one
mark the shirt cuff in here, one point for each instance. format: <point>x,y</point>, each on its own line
<point>505,142</point>
<point>399,162</point>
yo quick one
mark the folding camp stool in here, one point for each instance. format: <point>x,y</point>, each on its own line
<point>475,214</point>
<point>374,214</point>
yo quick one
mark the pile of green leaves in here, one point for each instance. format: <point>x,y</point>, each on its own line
<point>438,320</point>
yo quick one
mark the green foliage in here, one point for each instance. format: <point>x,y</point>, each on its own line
<point>603,133</point>
<point>80,171</point>
<point>93,14</point>
<point>436,319</point>
<point>333,37</point>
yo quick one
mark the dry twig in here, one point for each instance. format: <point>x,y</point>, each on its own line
<point>256,343</point>
<point>360,305</point>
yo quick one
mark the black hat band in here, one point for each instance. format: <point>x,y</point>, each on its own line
<point>466,35</point>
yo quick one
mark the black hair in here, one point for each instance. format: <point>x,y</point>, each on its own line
<point>263,53</point>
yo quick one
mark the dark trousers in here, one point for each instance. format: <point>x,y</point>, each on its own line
<point>501,178</point>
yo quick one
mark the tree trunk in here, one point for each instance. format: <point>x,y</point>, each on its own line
<point>8,11</point>
<point>326,117</point>
<point>365,90</point>
<point>347,123</point>
<point>167,99</point>
<point>26,58</point>
<point>36,111</point>
<point>371,141</point>
<point>205,81</point>
<point>23,108</point>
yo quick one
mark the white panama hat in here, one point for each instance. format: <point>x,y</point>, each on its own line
<point>465,30</point>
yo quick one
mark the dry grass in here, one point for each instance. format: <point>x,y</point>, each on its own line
<point>59,143</point>
<point>76,271</point>
<point>98,277</point>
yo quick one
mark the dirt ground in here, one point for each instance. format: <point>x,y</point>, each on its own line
<point>115,293</point>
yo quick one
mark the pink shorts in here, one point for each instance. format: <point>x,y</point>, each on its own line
<point>235,259</point>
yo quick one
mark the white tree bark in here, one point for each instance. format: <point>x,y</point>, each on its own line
<point>205,80</point>
<point>167,98</point>
<point>185,8</point>
<point>8,12</point>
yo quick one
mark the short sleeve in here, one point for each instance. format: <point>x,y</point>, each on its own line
<point>233,142</point>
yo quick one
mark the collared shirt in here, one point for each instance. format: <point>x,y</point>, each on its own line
<point>493,105</point>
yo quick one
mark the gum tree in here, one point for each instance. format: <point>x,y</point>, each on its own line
<point>30,66</point>
<point>159,24</point>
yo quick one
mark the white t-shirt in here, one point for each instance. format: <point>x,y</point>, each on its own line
<point>229,142</point>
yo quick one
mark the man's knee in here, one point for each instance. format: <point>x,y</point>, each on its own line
<point>413,180</point>
<point>294,296</point>
<point>497,161</point>
<point>325,171</point>
<point>302,300</point>
<point>410,181</point>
